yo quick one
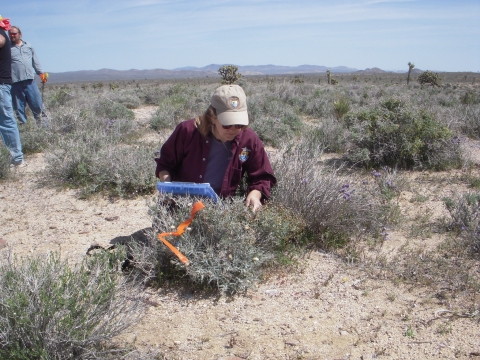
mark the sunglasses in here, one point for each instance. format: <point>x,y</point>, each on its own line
<point>238,127</point>
<point>11,34</point>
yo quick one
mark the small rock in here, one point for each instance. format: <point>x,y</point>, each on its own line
<point>292,342</point>
<point>272,292</point>
<point>111,218</point>
<point>3,243</point>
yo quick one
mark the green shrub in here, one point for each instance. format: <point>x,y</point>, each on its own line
<point>51,310</point>
<point>430,78</point>
<point>59,98</point>
<point>470,98</point>
<point>399,135</point>
<point>341,107</point>
<point>228,246</point>
<point>112,110</point>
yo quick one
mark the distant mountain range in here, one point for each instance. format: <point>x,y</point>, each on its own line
<point>196,72</point>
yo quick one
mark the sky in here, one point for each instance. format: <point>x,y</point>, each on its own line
<point>435,35</point>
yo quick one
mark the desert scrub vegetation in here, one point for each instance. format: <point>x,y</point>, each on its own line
<point>52,310</point>
<point>227,245</point>
<point>93,145</point>
<point>464,211</point>
<point>398,135</point>
<point>179,103</point>
<point>231,249</point>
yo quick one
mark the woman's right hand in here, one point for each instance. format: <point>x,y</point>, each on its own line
<point>164,176</point>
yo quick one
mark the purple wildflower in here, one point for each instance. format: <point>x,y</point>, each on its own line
<point>376,173</point>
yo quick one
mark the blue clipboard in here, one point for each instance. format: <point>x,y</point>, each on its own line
<point>188,189</point>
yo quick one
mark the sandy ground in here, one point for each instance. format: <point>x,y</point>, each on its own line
<point>326,309</point>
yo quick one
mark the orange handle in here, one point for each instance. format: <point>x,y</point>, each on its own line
<point>44,77</point>
<point>180,230</point>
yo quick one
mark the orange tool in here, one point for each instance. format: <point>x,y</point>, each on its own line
<point>180,230</point>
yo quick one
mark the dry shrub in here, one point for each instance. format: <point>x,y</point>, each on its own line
<point>52,310</point>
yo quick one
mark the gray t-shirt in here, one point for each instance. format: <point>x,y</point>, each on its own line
<point>217,162</point>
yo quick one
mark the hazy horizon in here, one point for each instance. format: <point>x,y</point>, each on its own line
<point>166,34</point>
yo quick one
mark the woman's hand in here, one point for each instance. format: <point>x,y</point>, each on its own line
<point>164,176</point>
<point>253,199</point>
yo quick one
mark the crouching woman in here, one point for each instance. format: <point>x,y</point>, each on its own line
<point>218,148</point>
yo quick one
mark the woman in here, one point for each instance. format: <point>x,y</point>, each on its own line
<point>218,148</point>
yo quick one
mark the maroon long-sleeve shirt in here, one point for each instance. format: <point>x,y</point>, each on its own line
<point>184,155</point>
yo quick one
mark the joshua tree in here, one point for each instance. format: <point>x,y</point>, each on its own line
<point>229,74</point>
<point>410,68</point>
<point>329,76</point>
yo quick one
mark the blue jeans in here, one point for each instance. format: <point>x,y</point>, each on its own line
<point>8,125</point>
<point>26,92</point>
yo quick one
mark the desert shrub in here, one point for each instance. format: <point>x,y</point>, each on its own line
<point>319,105</point>
<point>51,310</point>
<point>465,220</point>
<point>97,162</point>
<point>430,78</point>
<point>341,107</point>
<point>128,99</point>
<point>180,104</point>
<point>275,121</point>
<point>228,246</point>
<point>35,138</point>
<point>151,95</point>
<point>4,162</point>
<point>335,208</point>
<point>170,112</point>
<point>273,131</point>
<point>470,98</point>
<point>333,134</point>
<point>398,134</point>
<point>112,110</point>
<point>59,98</point>
<point>471,121</point>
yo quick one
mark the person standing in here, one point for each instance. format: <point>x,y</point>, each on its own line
<point>24,88</point>
<point>8,124</point>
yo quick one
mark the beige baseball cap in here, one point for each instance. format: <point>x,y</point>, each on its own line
<point>230,103</point>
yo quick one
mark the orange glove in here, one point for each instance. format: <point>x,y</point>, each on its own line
<point>44,77</point>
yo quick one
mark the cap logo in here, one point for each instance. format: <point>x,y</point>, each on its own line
<point>234,102</point>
